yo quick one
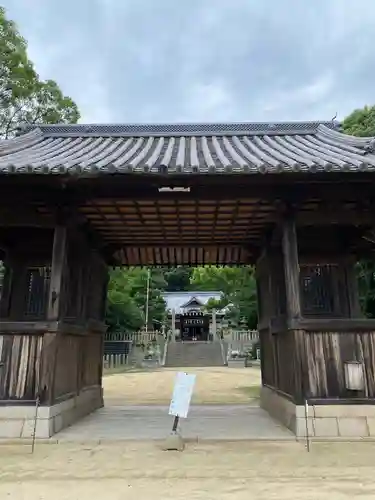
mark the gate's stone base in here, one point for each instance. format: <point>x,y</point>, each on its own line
<point>17,421</point>
<point>324,421</point>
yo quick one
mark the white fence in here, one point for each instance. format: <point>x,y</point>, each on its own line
<point>241,336</point>
<point>121,349</point>
<point>240,341</point>
<point>111,361</point>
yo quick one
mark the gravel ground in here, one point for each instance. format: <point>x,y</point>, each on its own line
<point>221,385</point>
<point>203,471</point>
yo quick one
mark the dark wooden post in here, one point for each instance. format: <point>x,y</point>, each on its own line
<point>6,291</point>
<point>57,270</point>
<point>352,289</point>
<point>293,304</point>
<point>50,340</point>
<point>291,268</point>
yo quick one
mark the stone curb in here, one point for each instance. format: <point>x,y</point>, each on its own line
<point>24,441</point>
<point>191,440</point>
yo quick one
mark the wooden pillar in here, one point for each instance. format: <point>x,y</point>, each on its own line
<point>291,268</point>
<point>293,306</point>
<point>51,340</point>
<point>352,290</point>
<point>6,291</point>
<point>57,270</point>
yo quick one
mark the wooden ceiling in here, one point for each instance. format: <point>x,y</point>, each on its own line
<point>213,222</point>
<point>178,231</point>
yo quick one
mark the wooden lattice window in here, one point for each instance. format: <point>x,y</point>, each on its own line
<point>38,279</point>
<point>317,289</point>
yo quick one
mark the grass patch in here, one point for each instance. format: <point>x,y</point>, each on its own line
<point>252,391</point>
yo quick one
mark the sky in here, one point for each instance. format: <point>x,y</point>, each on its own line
<point>163,61</point>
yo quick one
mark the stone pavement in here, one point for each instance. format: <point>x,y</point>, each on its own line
<point>229,422</point>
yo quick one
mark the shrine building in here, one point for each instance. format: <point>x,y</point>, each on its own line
<point>294,199</point>
<point>190,319</point>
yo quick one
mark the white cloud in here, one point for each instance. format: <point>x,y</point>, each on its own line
<point>204,60</point>
<point>211,99</point>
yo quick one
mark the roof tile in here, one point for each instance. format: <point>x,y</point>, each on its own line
<point>191,148</point>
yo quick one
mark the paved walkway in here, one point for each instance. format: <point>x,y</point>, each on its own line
<point>229,422</point>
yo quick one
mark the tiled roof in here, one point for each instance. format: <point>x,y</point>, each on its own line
<point>190,148</point>
<point>176,300</point>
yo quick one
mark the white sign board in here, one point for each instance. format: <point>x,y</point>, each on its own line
<point>182,392</point>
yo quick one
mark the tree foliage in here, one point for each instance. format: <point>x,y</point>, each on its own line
<point>24,98</point>
<point>224,279</point>
<point>366,282</point>
<point>126,302</point>
<point>128,289</point>
<point>178,278</point>
<point>360,122</point>
<point>238,287</point>
<point>122,312</point>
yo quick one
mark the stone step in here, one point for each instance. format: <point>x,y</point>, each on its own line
<point>181,354</point>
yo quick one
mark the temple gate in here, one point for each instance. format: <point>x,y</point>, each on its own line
<point>294,199</point>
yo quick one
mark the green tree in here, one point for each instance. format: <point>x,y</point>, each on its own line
<point>24,98</point>
<point>366,286</point>
<point>224,279</point>
<point>178,278</point>
<point>126,303</point>
<point>122,314</point>
<point>138,283</point>
<point>360,122</point>
<point>216,304</point>
<point>244,299</point>
<point>238,287</point>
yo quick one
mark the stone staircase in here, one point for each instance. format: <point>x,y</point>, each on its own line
<point>185,354</point>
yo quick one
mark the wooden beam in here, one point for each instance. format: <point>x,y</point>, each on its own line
<point>67,215</point>
<point>291,267</point>
<point>41,327</point>
<point>202,188</point>
<point>28,327</point>
<point>25,218</point>
<point>72,218</point>
<point>325,216</point>
<point>329,325</point>
<point>238,187</point>
<point>207,244</point>
<point>57,270</point>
